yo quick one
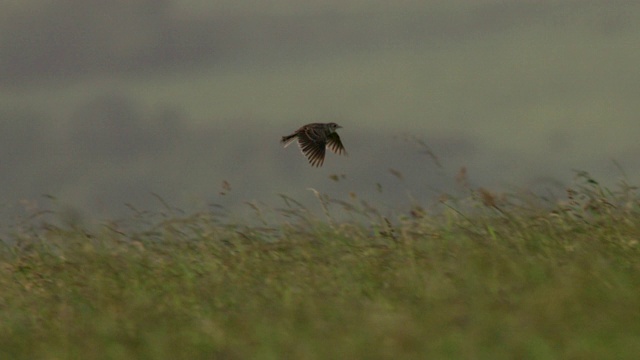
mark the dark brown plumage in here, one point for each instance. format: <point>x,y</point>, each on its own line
<point>314,138</point>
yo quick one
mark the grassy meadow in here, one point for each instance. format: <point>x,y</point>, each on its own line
<point>478,275</point>
<point>103,103</point>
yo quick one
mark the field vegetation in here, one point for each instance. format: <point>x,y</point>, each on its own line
<point>479,275</point>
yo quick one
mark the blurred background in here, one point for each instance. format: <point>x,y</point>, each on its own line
<point>106,105</point>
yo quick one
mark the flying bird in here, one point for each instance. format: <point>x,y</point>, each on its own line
<point>314,138</point>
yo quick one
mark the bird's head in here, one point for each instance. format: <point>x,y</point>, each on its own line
<point>333,126</point>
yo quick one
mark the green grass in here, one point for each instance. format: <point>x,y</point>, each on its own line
<point>483,276</point>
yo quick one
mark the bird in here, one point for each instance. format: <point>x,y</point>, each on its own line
<point>314,138</point>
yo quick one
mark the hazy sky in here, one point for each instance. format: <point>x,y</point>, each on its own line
<point>105,103</point>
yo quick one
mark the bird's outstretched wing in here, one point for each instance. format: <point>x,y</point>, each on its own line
<point>335,145</point>
<point>313,150</point>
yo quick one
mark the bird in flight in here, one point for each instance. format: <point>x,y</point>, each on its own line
<point>314,138</point>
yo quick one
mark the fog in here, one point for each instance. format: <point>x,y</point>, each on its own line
<point>109,106</point>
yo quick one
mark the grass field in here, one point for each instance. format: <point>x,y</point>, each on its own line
<point>478,276</point>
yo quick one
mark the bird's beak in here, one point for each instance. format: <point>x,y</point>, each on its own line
<point>338,127</point>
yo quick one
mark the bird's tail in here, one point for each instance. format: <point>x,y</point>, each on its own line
<point>286,140</point>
